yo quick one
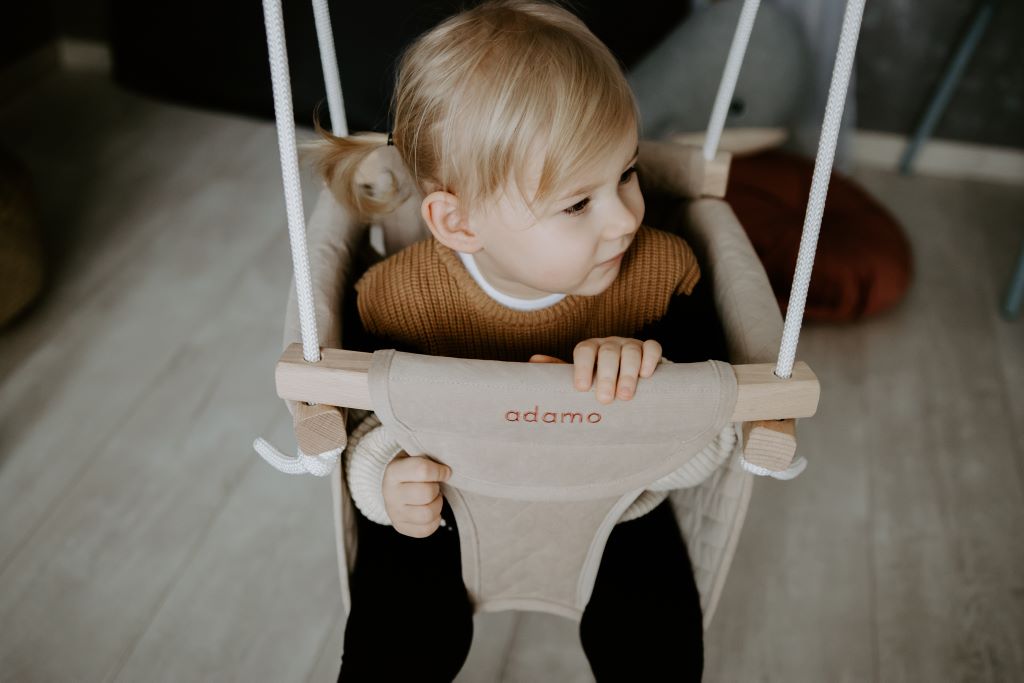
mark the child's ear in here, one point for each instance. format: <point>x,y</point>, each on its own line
<point>444,215</point>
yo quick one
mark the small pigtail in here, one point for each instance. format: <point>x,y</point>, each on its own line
<point>365,186</point>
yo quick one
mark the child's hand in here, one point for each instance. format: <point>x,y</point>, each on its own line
<point>412,494</point>
<point>619,362</point>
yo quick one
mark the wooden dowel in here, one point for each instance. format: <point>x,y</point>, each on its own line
<point>716,175</point>
<point>319,428</point>
<point>340,379</point>
<point>763,396</point>
<point>770,443</point>
<point>737,141</point>
<point>682,170</point>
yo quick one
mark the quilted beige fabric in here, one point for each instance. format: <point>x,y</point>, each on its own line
<point>541,472</point>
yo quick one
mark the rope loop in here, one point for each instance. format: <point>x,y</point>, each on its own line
<point>791,472</point>
<point>319,465</point>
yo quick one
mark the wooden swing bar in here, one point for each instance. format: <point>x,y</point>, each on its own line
<point>341,379</point>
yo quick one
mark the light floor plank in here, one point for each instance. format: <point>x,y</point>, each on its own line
<point>105,501</point>
<point>945,464</point>
<point>121,533</point>
<point>254,602</point>
<point>328,662</point>
<point>798,602</point>
<point>117,320</point>
<point>493,633</point>
<point>545,647</point>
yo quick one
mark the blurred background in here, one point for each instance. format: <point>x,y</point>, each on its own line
<point>144,270</point>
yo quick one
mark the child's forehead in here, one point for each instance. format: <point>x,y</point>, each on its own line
<point>619,151</point>
<point>517,197</point>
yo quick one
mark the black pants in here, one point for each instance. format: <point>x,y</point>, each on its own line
<point>411,618</point>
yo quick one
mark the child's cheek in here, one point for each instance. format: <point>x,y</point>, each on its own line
<point>554,279</point>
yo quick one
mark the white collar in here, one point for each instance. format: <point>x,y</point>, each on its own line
<point>502,298</point>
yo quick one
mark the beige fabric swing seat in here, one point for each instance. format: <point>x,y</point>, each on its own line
<point>535,501</point>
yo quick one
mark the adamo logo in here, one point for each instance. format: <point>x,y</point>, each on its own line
<point>535,416</point>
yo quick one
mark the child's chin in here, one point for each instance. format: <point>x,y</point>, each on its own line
<point>598,287</point>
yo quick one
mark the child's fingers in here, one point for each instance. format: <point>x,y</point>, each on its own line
<point>583,358</point>
<point>419,492</point>
<point>651,358</point>
<point>423,514</point>
<point>417,530</point>
<point>629,368</point>
<point>607,370</point>
<point>418,469</point>
<point>541,358</point>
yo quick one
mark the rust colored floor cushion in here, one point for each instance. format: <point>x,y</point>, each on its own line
<point>863,264</point>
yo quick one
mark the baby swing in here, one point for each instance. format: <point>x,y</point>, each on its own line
<point>586,472</point>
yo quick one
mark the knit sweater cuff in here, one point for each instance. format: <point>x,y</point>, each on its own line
<point>702,465</point>
<point>647,501</point>
<point>370,449</point>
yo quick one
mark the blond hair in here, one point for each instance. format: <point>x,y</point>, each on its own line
<point>477,95</point>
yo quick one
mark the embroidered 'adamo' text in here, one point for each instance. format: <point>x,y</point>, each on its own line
<point>550,417</point>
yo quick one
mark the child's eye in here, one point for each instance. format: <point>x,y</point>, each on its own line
<point>577,207</point>
<point>582,204</point>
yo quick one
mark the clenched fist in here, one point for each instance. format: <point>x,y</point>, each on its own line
<point>412,494</point>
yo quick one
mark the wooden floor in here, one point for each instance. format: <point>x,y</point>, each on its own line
<point>141,539</point>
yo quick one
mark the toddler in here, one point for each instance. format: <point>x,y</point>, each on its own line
<point>520,131</point>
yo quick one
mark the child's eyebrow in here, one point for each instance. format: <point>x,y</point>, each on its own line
<point>588,188</point>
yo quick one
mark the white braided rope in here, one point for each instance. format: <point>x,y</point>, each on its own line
<point>819,185</point>
<point>318,465</point>
<point>324,463</point>
<point>285,119</point>
<point>791,472</point>
<point>727,86</point>
<point>329,62</point>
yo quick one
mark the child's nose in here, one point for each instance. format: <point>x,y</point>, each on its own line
<point>622,221</point>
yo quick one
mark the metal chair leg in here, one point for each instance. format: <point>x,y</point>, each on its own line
<point>947,86</point>
<point>1015,291</point>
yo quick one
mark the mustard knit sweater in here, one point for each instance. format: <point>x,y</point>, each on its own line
<point>423,299</point>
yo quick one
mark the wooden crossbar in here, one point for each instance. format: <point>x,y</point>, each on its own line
<point>682,169</point>
<point>341,379</point>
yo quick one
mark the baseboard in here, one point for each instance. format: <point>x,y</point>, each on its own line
<point>84,55</point>
<point>64,53</point>
<point>945,158</point>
